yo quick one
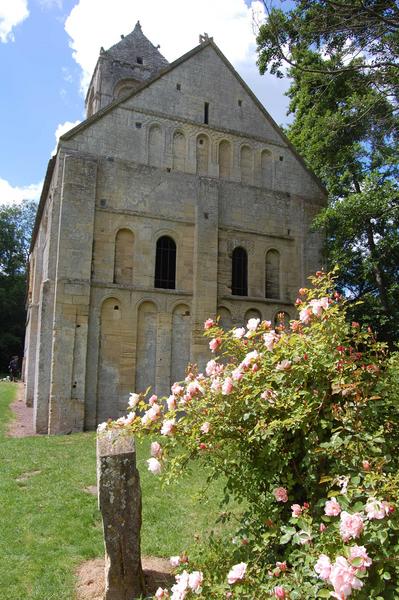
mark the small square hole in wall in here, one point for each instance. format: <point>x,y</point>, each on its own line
<point>240,103</point>
<point>281,158</point>
<point>103,202</point>
<point>138,125</point>
<point>178,87</point>
<point>139,60</point>
<point>200,142</point>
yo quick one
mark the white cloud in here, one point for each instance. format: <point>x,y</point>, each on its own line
<point>176,26</point>
<point>61,129</point>
<point>12,12</point>
<point>14,195</point>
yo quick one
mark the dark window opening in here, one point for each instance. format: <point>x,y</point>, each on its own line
<point>138,125</point>
<point>239,283</point>
<point>178,86</point>
<point>206,113</point>
<point>139,60</point>
<point>281,158</point>
<point>116,307</point>
<point>240,103</point>
<point>165,263</point>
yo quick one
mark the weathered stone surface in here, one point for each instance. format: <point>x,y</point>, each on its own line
<point>119,497</point>
<point>144,167</point>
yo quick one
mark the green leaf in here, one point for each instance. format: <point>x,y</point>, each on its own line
<point>324,593</point>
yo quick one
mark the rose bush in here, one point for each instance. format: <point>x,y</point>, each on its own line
<point>302,423</point>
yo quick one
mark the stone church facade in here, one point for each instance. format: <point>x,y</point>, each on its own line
<point>177,199</point>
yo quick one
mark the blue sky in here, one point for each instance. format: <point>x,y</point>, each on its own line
<point>48,49</point>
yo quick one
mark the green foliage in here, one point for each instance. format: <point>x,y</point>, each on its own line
<point>360,36</point>
<point>50,522</point>
<point>16,224</point>
<point>290,416</point>
<point>343,61</point>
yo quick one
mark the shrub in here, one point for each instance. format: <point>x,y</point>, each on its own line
<point>302,422</point>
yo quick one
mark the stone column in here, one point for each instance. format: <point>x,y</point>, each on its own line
<point>72,295</point>
<point>119,498</point>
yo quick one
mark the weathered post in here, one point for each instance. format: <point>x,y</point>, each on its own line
<point>119,498</point>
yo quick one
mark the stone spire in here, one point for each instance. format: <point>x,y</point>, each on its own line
<point>122,68</point>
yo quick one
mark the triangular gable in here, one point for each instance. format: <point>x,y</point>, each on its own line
<point>138,96</point>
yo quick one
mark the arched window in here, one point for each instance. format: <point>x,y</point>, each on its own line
<point>155,142</point>
<point>165,263</point>
<point>202,154</point>
<point>267,169</point>
<point>224,159</point>
<point>272,274</point>
<point>246,164</point>
<point>179,151</point>
<point>239,278</point>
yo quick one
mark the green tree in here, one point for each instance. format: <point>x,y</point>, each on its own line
<point>346,126</point>
<point>16,224</point>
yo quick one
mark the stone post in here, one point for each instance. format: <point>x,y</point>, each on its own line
<point>119,498</point>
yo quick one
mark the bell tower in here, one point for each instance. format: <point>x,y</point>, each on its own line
<point>122,68</point>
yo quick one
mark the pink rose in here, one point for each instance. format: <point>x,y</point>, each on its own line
<point>249,359</point>
<point>227,386</point>
<point>282,566</point>
<point>296,510</point>
<point>332,508</point>
<point>375,509</point>
<point>284,365</point>
<point>270,340</point>
<point>305,315</point>
<point>237,374</point>
<point>323,567</point>
<point>216,385</point>
<point>280,494</point>
<point>153,400</point>
<point>322,527</point>
<point>168,427</point>
<point>156,450</point>
<point>209,323</point>
<point>236,573</point>
<point>269,395</point>
<point>176,389</point>
<point>171,402</point>
<point>195,580</point>
<point>180,588</point>
<point>154,466</point>
<point>214,344</point>
<point>134,399</point>
<point>279,592</point>
<point>239,332</point>
<point>253,324</point>
<point>194,388</point>
<point>360,552</point>
<point>151,415</point>
<point>351,526</point>
<point>205,427</point>
<point>343,578</point>
<point>366,465</point>
<point>161,594</point>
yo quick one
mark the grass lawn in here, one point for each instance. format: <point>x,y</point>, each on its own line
<point>49,523</point>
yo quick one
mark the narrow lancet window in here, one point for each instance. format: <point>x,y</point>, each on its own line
<point>165,263</point>
<point>239,283</point>
<point>206,113</point>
